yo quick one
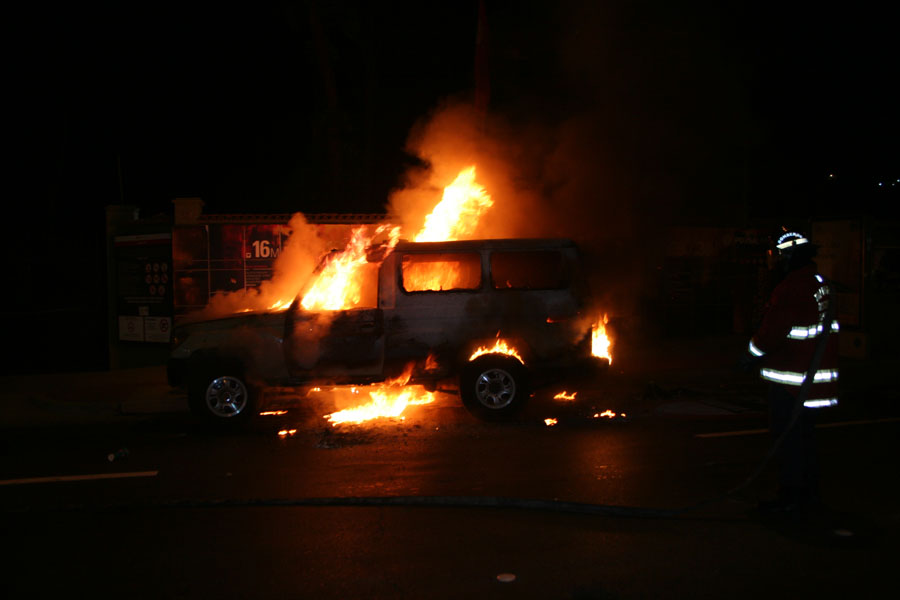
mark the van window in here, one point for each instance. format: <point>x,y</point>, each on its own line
<point>537,270</point>
<point>366,279</point>
<point>441,272</point>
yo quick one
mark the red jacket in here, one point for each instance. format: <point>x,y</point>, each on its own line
<point>791,329</point>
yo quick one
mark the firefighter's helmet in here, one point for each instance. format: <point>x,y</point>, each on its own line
<point>788,242</point>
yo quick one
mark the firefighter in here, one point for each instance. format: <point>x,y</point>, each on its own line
<point>797,337</point>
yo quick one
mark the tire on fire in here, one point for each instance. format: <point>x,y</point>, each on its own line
<point>220,395</point>
<point>494,387</point>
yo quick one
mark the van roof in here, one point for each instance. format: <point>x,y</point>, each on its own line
<point>489,244</point>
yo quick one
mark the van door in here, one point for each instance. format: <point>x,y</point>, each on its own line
<point>339,345</point>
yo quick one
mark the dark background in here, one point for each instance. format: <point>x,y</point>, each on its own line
<point>704,111</point>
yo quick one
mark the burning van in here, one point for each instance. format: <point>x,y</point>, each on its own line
<point>493,319</point>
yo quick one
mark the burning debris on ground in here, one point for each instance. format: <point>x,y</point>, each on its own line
<point>387,400</point>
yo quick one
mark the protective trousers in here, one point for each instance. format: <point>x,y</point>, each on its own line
<point>798,475</point>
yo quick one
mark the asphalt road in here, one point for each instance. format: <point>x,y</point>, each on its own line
<point>587,508</point>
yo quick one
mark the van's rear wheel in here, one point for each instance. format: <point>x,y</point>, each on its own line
<point>494,387</point>
<point>222,397</point>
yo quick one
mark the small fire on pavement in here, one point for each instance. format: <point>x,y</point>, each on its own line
<point>388,399</point>
<point>608,414</point>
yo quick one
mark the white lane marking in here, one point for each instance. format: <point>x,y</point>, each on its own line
<point>820,425</point>
<point>58,478</point>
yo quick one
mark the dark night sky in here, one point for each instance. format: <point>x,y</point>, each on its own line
<point>254,108</point>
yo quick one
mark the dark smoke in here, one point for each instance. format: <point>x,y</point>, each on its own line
<point>608,123</point>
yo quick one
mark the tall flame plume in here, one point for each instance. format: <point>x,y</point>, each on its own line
<point>456,216</point>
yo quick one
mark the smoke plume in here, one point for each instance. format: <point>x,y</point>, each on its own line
<point>545,180</point>
<point>292,270</point>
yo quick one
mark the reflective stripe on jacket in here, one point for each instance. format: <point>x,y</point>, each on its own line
<point>791,329</point>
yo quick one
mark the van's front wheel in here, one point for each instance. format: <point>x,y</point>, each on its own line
<point>494,387</point>
<point>222,397</point>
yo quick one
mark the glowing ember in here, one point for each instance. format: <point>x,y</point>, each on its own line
<point>601,345</point>
<point>565,396</point>
<point>607,414</point>
<point>272,413</point>
<point>338,286</point>
<point>389,399</point>
<point>456,216</point>
<point>287,433</point>
<point>550,422</point>
<point>499,347</point>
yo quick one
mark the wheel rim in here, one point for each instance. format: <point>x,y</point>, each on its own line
<point>226,396</point>
<point>495,389</point>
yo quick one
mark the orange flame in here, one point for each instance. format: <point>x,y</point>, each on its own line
<point>456,216</point>
<point>609,414</point>
<point>388,399</point>
<point>550,422</point>
<point>443,275</point>
<point>499,347</point>
<point>339,286</point>
<point>564,395</point>
<point>279,305</point>
<point>601,344</point>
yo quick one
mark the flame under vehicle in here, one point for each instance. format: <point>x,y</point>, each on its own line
<point>493,319</point>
